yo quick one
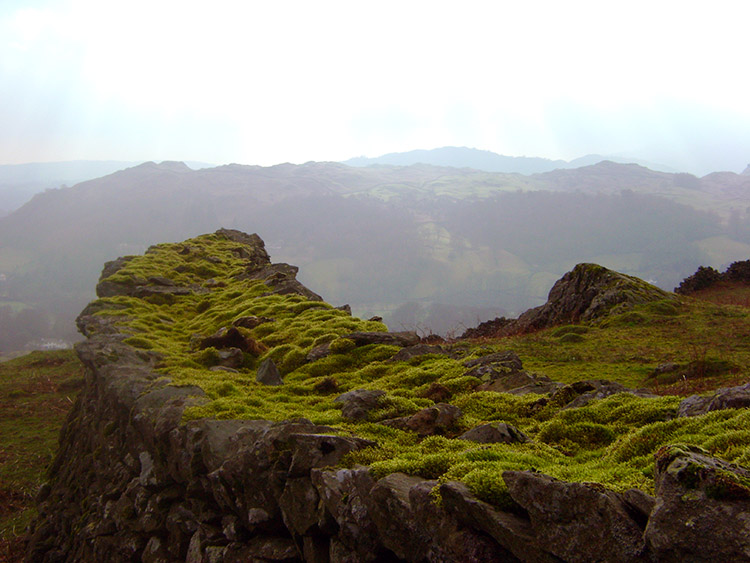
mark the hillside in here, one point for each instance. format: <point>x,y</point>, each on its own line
<point>36,393</point>
<point>464,157</point>
<point>221,372</point>
<point>439,249</point>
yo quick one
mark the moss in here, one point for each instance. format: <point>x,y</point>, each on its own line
<point>342,346</point>
<point>571,337</point>
<point>570,329</point>
<point>139,342</point>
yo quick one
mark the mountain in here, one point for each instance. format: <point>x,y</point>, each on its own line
<point>434,248</point>
<point>19,182</point>
<point>463,157</point>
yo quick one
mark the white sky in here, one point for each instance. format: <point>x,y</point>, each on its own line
<point>277,81</point>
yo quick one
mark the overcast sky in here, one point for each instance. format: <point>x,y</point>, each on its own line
<point>275,81</point>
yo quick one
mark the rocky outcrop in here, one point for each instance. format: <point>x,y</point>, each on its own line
<point>587,293</point>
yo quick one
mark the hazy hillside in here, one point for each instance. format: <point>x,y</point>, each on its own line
<point>464,157</point>
<point>19,182</point>
<point>434,248</point>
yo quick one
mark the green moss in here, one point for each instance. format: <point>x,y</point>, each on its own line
<point>571,337</point>
<point>342,346</point>
<point>139,342</point>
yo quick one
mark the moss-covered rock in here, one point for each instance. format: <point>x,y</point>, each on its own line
<point>587,293</point>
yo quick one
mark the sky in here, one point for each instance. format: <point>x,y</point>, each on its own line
<point>293,81</point>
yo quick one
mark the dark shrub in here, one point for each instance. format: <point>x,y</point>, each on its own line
<point>738,271</point>
<point>704,277</point>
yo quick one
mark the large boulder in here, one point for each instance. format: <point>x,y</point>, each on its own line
<point>577,521</point>
<point>702,511</point>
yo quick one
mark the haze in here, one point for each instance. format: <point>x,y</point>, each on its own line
<point>263,83</point>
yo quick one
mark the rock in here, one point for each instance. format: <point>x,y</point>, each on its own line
<point>725,398</point>
<point>319,352</point>
<point>438,419</point>
<point>436,392</point>
<point>251,322</point>
<point>299,505</point>
<point>390,509</point>
<point>512,532</point>
<point>441,536</point>
<point>346,308</point>
<point>587,293</point>
<point>415,351</point>
<point>530,382</point>
<point>494,433</point>
<point>252,249</point>
<point>503,362</point>
<point>357,404</point>
<point>702,508</point>
<point>311,451</point>
<point>268,374</point>
<point>577,521</point>
<point>402,339</point>
<point>231,358</point>
<point>232,338</point>
<point>639,505</point>
<point>487,329</point>
<point>282,279</point>
<point>160,280</point>
<point>344,494</point>
<point>223,368</point>
<point>581,393</point>
<point>263,549</point>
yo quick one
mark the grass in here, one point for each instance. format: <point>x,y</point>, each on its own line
<point>36,392</point>
<point>611,441</point>
<point>627,348</point>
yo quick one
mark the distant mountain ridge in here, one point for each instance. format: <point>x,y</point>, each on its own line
<point>390,241</point>
<point>19,182</point>
<point>465,157</point>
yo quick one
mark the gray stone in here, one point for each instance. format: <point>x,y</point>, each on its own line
<point>320,450</point>
<point>357,404</point>
<point>437,419</point>
<point>702,510</point>
<point>494,433</point>
<point>319,352</point>
<point>725,398</point>
<point>401,339</point>
<point>268,374</point>
<point>512,532</point>
<point>232,358</point>
<point>577,521</point>
<point>415,351</point>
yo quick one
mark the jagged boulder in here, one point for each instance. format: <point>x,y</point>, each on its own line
<point>587,293</point>
<point>702,509</point>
